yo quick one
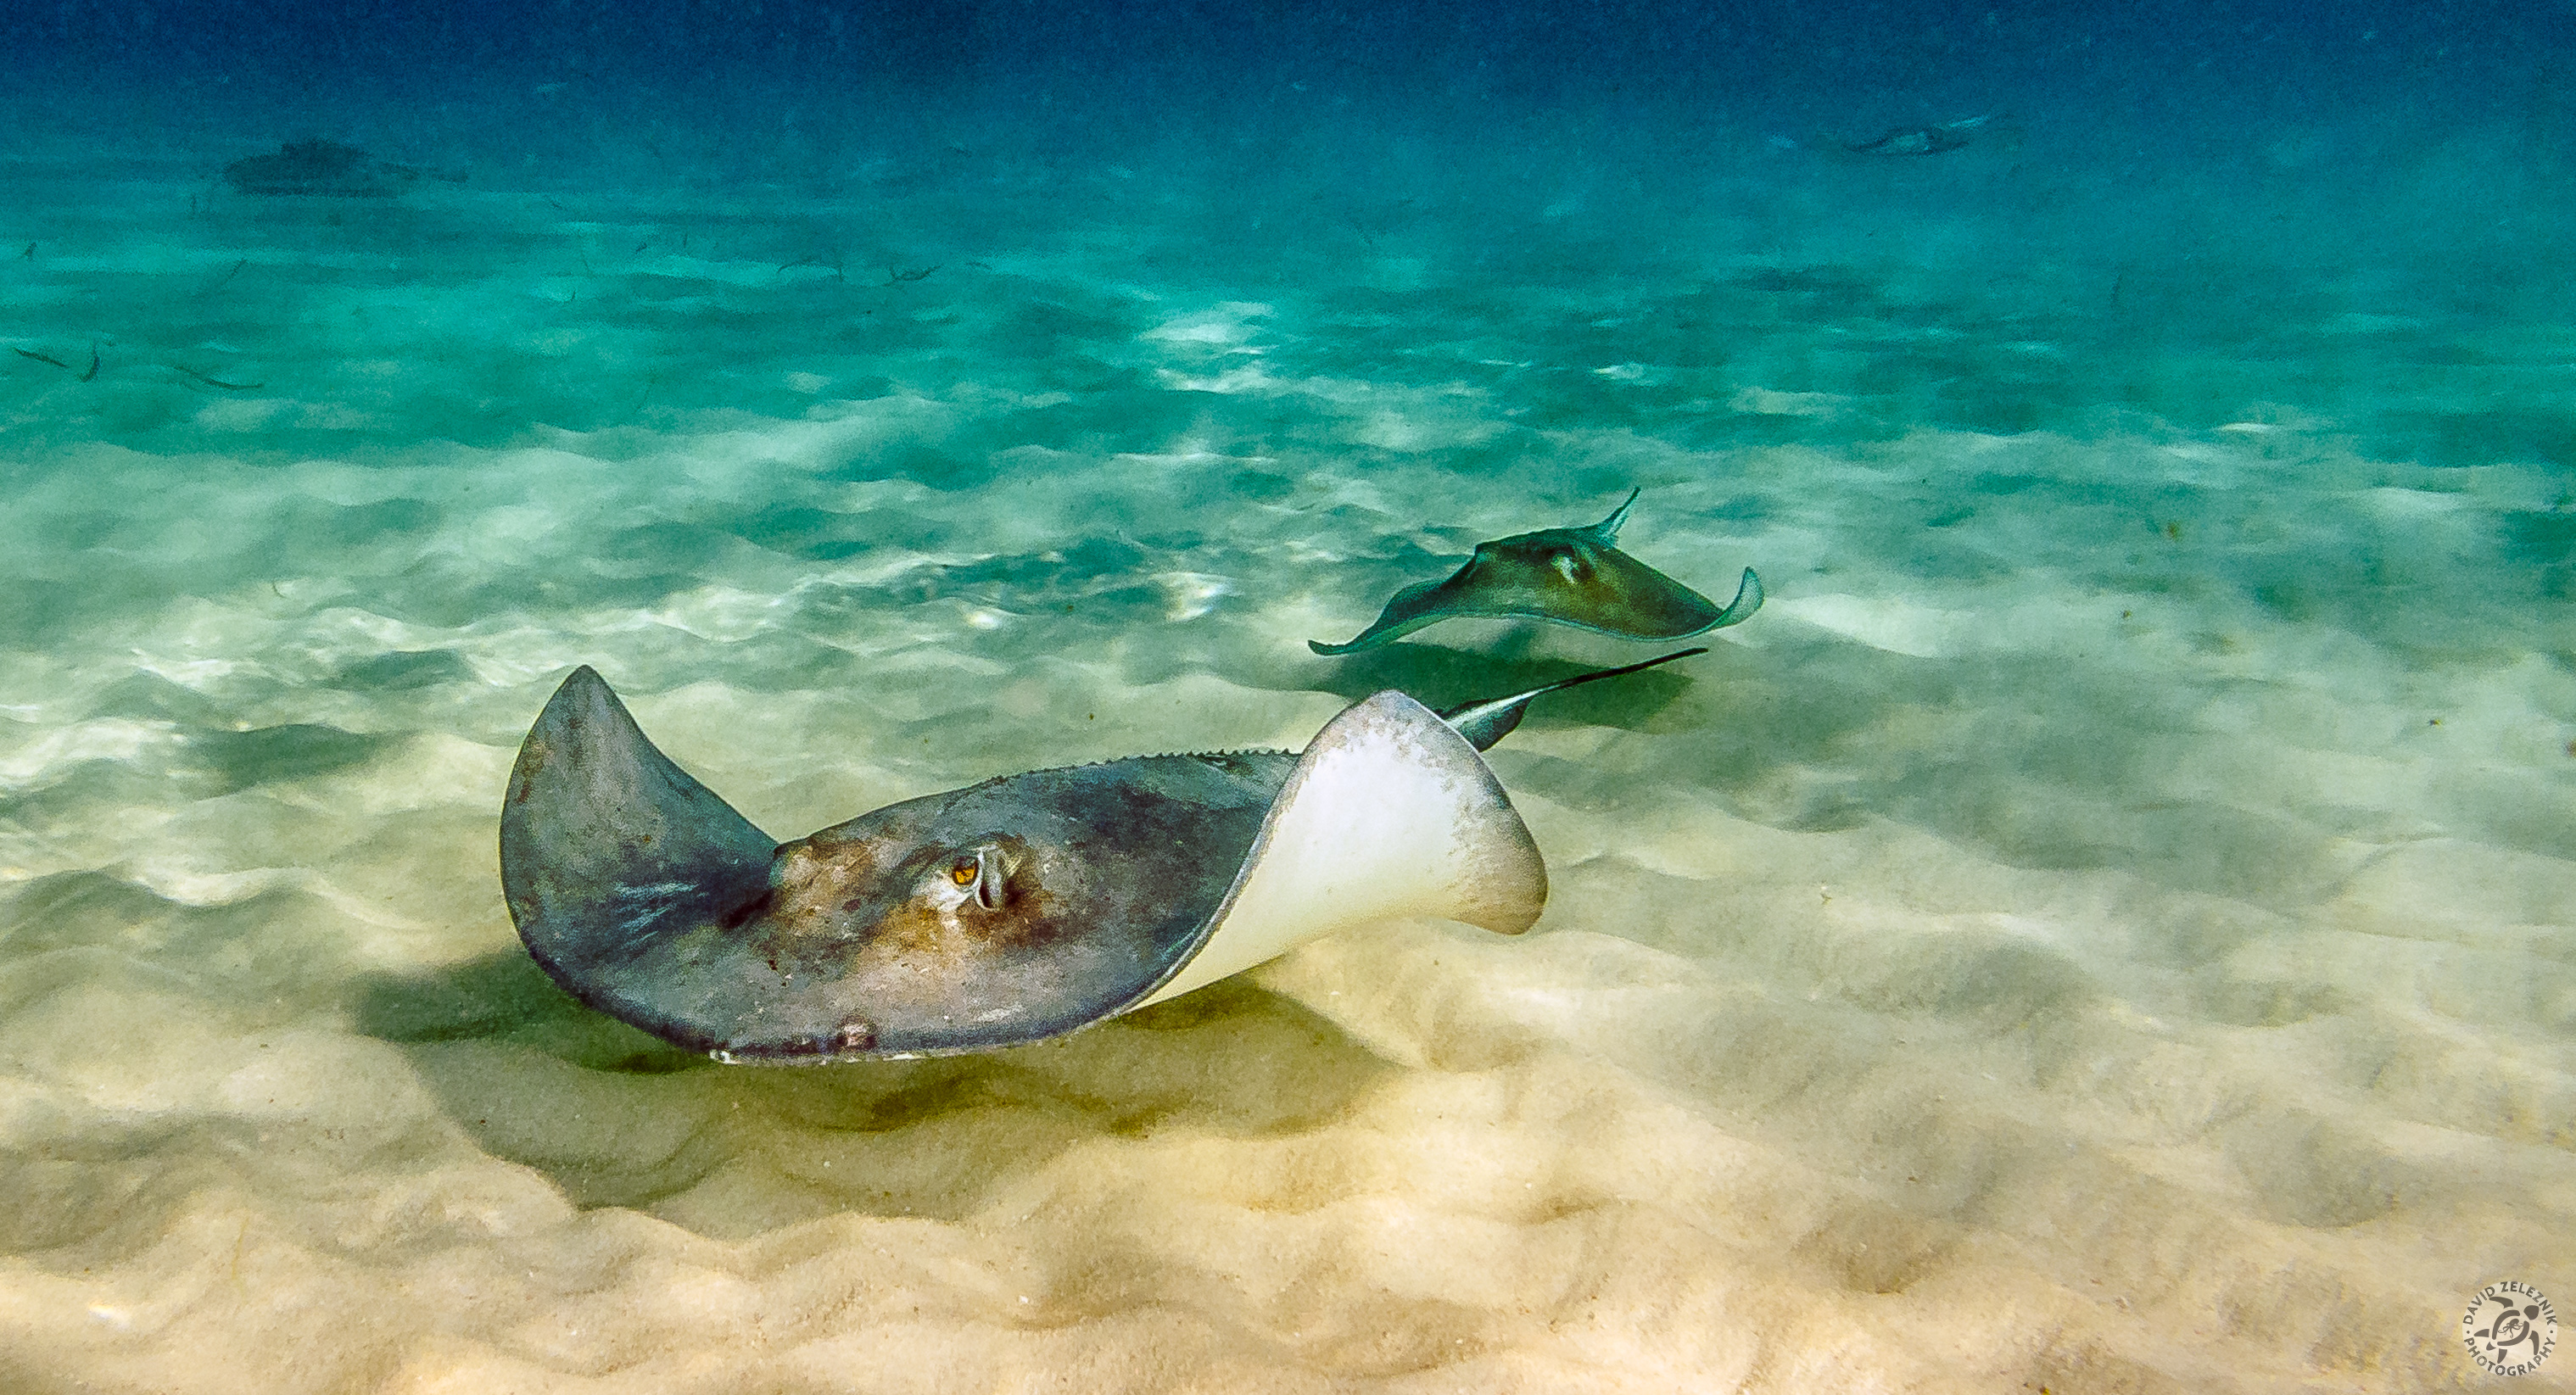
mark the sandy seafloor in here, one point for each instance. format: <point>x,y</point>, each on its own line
<point>2107,924</point>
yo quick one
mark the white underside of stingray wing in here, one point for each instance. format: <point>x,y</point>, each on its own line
<point>1389,815</point>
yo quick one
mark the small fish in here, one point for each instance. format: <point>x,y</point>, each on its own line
<point>200,377</point>
<point>93,364</point>
<point>224,280</point>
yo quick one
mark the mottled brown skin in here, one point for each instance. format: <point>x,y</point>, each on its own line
<point>648,898</point>
<point>1006,912</point>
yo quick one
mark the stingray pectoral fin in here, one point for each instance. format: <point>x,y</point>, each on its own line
<point>1748,599</point>
<point>1632,600</point>
<point>1422,603</point>
<point>1388,815</point>
<point>607,848</point>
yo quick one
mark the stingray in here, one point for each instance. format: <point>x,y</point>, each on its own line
<point>1573,576</point>
<point>1006,912</point>
<point>325,169</point>
<point>1922,140</point>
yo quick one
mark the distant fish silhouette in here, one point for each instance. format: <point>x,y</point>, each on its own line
<point>1921,140</point>
<point>1572,576</point>
<point>326,169</point>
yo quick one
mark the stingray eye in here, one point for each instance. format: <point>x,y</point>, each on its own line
<point>1569,566</point>
<point>984,873</point>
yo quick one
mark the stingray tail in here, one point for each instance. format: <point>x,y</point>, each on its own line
<point>1489,720</point>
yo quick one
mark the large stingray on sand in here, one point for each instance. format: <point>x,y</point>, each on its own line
<point>1006,912</point>
<point>1573,576</point>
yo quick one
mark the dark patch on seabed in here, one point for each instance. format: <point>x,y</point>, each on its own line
<point>473,1030</point>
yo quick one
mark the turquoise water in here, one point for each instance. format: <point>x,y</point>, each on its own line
<point>2107,923</point>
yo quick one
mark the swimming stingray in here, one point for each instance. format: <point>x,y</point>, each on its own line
<point>1006,912</point>
<point>326,169</point>
<point>1573,576</point>
<point>1922,140</point>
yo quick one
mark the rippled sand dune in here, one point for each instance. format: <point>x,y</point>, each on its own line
<point>2108,924</point>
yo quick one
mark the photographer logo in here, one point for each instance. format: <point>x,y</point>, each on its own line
<point>2509,1328</point>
